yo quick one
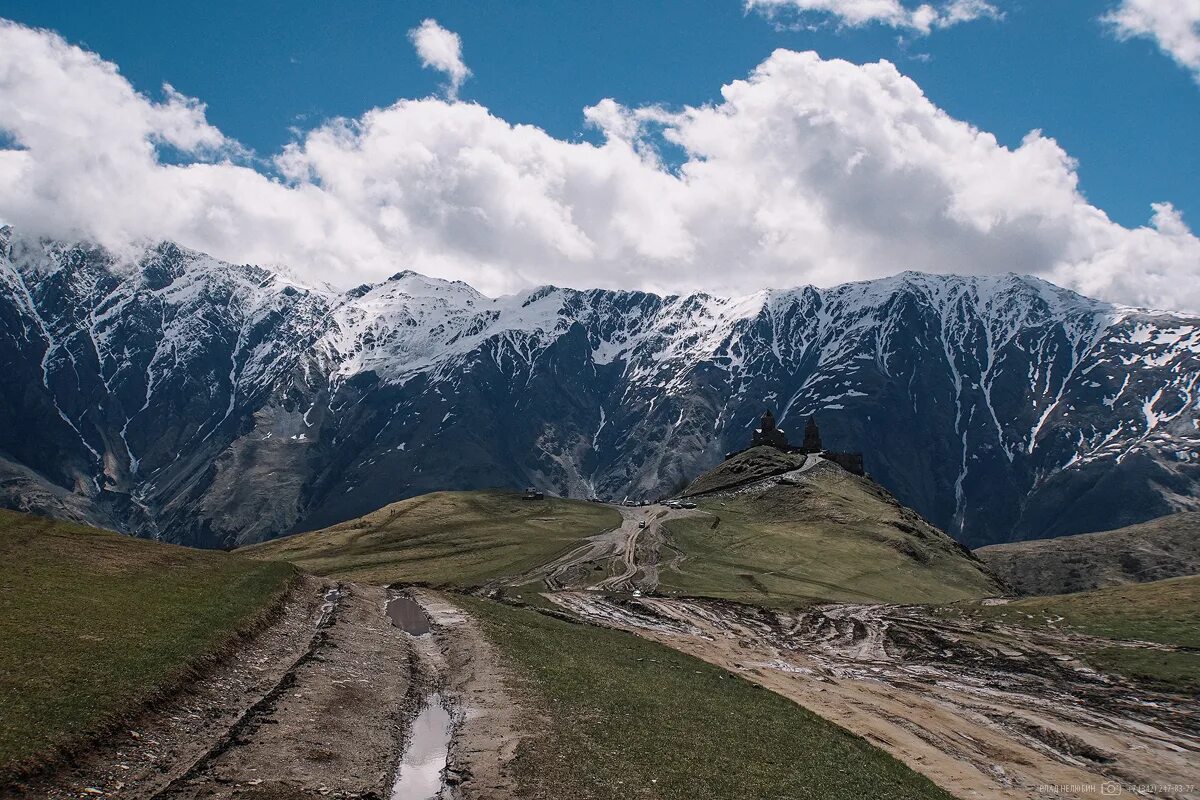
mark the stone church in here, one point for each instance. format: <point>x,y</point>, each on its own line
<point>768,434</point>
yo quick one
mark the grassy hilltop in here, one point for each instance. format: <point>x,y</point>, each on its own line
<point>822,533</point>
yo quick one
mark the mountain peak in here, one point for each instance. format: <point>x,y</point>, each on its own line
<point>999,407</point>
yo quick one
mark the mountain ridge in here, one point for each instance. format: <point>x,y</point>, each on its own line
<point>213,403</point>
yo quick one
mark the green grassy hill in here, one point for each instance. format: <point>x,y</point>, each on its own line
<point>823,534</point>
<point>1164,612</point>
<point>445,538</point>
<point>1167,547</point>
<point>94,623</point>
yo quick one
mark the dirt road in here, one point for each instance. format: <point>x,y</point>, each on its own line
<point>321,703</point>
<point>333,728</point>
<point>183,745</point>
<point>1001,713</point>
<point>624,559</point>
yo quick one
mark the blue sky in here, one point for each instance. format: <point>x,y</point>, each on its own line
<point>1128,114</point>
<point>661,146</point>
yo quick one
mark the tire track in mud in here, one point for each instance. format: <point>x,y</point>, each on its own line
<point>165,740</point>
<point>228,739</point>
<point>457,666</point>
<point>997,712</point>
<point>330,727</point>
<point>631,554</point>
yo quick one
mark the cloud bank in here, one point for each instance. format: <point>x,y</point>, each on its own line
<point>1174,25</point>
<point>808,170</point>
<point>920,19</point>
<point>441,49</point>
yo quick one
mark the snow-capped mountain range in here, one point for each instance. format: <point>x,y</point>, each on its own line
<point>182,397</point>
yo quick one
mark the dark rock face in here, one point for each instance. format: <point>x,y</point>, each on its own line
<point>210,403</point>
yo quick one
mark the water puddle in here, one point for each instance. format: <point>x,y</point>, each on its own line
<point>419,776</point>
<point>408,615</point>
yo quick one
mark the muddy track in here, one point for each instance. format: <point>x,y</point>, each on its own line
<point>628,556</point>
<point>327,613</point>
<point>625,556</point>
<point>458,665</point>
<point>984,712</point>
<point>324,702</point>
<point>313,706</point>
<point>332,727</point>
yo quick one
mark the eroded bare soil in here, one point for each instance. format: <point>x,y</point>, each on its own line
<point>332,730</point>
<point>984,713</point>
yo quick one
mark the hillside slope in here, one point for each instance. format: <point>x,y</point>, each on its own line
<point>745,467</point>
<point>815,532</point>
<point>1163,548</point>
<point>444,538</point>
<point>94,623</point>
<point>1123,618</point>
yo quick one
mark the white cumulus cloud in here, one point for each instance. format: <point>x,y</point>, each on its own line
<point>441,49</point>
<point>1173,24</point>
<point>807,171</point>
<point>921,18</point>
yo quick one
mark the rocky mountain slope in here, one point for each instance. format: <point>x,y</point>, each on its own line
<point>169,394</point>
<point>1167,547</point>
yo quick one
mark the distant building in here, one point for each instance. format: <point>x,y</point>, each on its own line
<point>767,434</point>
<point>533,494</point>
<point>812,437</point>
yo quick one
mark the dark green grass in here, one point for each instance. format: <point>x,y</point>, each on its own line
<point>445,539</point>
<point>1165,612</point>
<point>621,717</point>
<point>93,623</point>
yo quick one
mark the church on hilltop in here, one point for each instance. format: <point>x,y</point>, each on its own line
<point>768,434</point>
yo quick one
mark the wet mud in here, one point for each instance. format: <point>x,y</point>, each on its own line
<point>984,712</point>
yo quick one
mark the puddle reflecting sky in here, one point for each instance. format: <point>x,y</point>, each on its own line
<point>407,614</point>
<point>420,774</point>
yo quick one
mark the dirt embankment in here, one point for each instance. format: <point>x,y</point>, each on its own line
<point>996,713</point>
